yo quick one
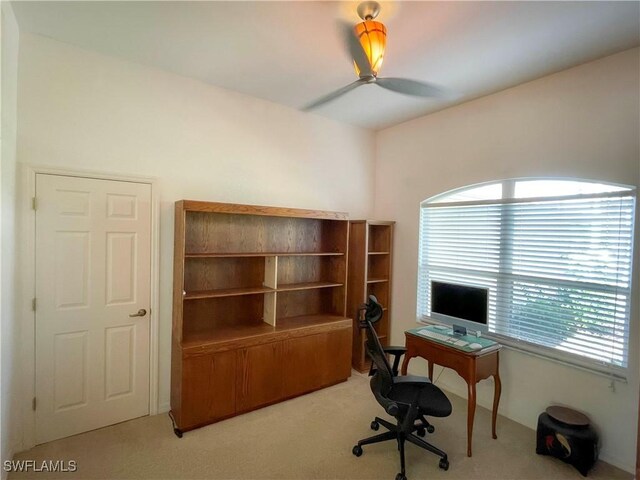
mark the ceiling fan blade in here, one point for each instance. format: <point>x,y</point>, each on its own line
<point>411,87</point>
<point>334,95</point>
<point>355,50</point>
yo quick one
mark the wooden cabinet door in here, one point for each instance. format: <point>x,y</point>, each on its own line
<point>338,356</point>
<point>208,388</point>
<point>316,361</point>
<point>259,379</point>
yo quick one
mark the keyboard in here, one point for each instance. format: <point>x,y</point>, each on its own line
<point>435,335</point>
<point>443,337</point>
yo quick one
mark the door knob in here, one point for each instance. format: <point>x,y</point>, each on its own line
<point>141,313</point>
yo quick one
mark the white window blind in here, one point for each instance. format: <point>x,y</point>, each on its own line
<point>558,269</point>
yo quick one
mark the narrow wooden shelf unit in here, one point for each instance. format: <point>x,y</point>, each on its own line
<point>369,273</point>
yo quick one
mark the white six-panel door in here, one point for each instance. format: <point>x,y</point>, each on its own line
<point>93,264</point>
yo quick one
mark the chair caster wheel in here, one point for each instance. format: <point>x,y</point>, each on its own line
<point>178,432</point>
<point>431,429</point>
<point>401,476</point>
<point>421,432</point>
<point>357,450</point>
<point>444,464</point>
<point>375,425</point>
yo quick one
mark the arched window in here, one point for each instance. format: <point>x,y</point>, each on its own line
<point>555,256</point>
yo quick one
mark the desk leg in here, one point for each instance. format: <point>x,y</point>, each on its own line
<point>496,400</point>
<point>430,367</point>
<point>471,412</point>
<point>405,363</point>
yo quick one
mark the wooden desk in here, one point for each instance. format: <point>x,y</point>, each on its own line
<point>473,367</point>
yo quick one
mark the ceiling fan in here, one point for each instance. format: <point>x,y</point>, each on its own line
<point>366,43</point>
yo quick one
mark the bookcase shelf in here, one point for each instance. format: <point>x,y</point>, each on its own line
<point>263,254</point>
<point>259,307</point>
<point>377,280</point>
<point>226,292</point>
<point>306,286</point>
<point>369,273</point>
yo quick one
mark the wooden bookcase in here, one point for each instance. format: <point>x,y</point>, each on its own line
<point>369,273</point>
<point>259,308</point>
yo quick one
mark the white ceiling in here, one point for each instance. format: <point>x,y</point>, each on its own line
<point>290,52</point>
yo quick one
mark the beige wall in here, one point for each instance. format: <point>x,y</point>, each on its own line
<point>9,331</point>
<point>79,109</point>
<point>583,123</point>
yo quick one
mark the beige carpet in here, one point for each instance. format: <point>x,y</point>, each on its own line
<point>309,437</point>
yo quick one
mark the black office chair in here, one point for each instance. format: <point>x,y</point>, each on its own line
<point>406,398</point>
<point>422,424</point>
<point>374,311</point>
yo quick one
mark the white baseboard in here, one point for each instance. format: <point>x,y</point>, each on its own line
<point>164,407</point>
<point>616,462</point>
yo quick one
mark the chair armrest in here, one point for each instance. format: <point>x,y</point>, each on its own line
<point>412,380</point>
<point>397,352</point>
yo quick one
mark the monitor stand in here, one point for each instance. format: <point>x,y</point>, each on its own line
<point>459,330</point>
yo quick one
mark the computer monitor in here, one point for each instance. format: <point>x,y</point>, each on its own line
<point>462,306</point>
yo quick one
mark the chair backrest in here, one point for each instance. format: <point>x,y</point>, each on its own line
<point>382,380</point>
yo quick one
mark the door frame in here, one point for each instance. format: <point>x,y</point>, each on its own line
<point>27,286</point>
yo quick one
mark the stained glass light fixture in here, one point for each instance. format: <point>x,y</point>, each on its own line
<point>372,35</point>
